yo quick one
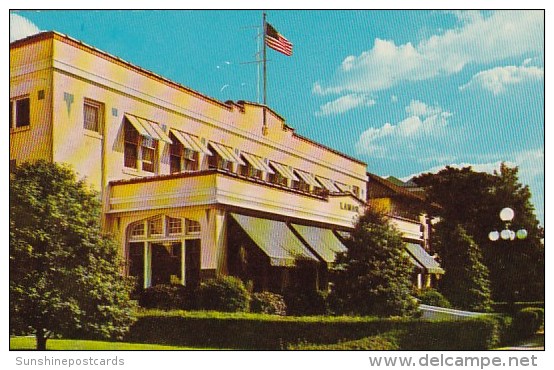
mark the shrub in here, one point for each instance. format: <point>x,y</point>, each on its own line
<point>513,307</point>
<point>301,302</point>
<point>268,303</point>
<point>270,332</point>
<point>527,322</point>
<point>165,296</point>
<point>431,297</point>
<point>381,342</point>
<point>225,293</point>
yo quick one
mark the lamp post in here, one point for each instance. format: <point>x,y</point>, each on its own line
<point>507,234</point>
<point>507,215</point>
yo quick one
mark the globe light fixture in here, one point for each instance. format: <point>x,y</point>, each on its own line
<point>507,215</point>
<point>494,235</point>
<point>521,234</point>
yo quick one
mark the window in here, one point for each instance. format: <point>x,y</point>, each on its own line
<point>175,155</point>
<point>356,191</point>
<point>249,170</point>
<point>92,115</point>
<point>181,158</point>
<point>138,230</point>
<point>155,226</point>
<point>277,178</point>
<point>216,161</point>
<point>20,112</point>
<point>191,160</point>
<point>175,225</point>
<point>131,145</point>
<point>148,154</point>
<point>300,184</point>
<point>193,227</point>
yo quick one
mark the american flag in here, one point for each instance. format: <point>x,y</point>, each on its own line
<point>276,41</point>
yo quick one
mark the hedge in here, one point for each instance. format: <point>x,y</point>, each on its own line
<point>527,322</point>
<point>270,332</point>
<point>505,307</point>
<point>381,342</point>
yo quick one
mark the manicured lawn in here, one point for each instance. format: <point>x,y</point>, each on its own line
<point>25,343</point>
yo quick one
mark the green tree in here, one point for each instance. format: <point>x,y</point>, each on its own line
<point>374,276</point>
<point>473,200</point>
<point>466,282</point>
<point>65,274</point>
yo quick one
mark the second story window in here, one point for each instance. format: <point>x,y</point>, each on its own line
<point>248,170</point>
<point>132,138</point>
<point>175,155</point>
<point>217,161</point>
<point>181,158</point>
<point>356,191</point>
<point>20,112</point>
<point>92,115</point>
<point>149,147</point>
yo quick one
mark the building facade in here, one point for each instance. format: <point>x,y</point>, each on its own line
<point>405,208</point>
<point>191,187</point>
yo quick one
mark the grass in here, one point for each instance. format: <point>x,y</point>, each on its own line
<point>28,343</point>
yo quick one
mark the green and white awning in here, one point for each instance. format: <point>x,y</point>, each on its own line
<point>191,142</point>
<point>227,153</point>
<point>257,162</point>
<point>323,241</point>
<point>327,184</point>
<point>148,128</point>
<point>308,178</point>
<point>275,239</point>
<point>420,255</point>
<point>285,171</point>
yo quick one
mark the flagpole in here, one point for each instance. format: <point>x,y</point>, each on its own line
<point>264,71</point>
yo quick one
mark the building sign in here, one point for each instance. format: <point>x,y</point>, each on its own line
<point>349,207</point>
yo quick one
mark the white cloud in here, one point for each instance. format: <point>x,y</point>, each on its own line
<point>21,27</point>
<point>498,79</point>
<point>420,109</point>
<point>394,98</point>
<point>344,104</point>
<point>479,39</point>
<point>423,121</point>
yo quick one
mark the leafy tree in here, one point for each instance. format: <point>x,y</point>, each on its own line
<point>65,275</point>
<point>374,276</point>
<point>466,282</point>
<point>473,200</point>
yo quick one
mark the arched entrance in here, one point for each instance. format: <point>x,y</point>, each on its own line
<point>164,250</point>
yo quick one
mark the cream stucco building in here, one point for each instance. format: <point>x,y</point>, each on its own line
<point>191,187</point>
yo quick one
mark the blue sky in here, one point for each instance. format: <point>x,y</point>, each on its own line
<point>405,91</point>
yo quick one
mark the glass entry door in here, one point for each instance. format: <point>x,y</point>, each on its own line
<point>166,263</point>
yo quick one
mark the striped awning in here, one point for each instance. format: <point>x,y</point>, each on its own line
<point>308,178</point>
<point>323,241</point>
<point>227,153</point>
<point>191,142</point>
<point>284,171</point>
<point>421,256</point>
<point>275,239</point>
<point>343,234</point>
<point>342,187</point>
<point>415,263</point>
<point>327,184</point>
<point>148,128</point>
<point>257,162</point>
